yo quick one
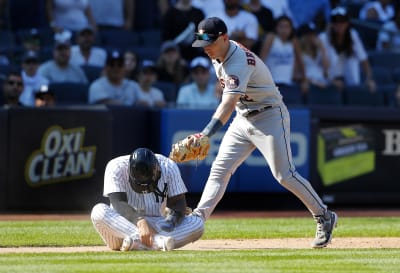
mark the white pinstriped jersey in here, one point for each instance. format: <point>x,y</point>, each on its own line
<point>245,73</point>
<point>116,179</point>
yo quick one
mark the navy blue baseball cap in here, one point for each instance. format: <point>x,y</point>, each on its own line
<point>208,31</point>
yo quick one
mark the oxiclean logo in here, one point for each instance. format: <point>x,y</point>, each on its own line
<point>60,158</point>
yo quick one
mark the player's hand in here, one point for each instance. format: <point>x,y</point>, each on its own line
<point>146,232</point>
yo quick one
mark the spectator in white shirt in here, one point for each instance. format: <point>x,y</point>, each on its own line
<point>60,69</point>
<point>242,25</point>
<point>114,88</point>
<point>201,92</point>
<point>148,95</point>
<point>389,35</point>
<point>84,52</point>
<point>346,52</point>
<point>115,14</point>
<point>380,10</point>
<point>32,79</point>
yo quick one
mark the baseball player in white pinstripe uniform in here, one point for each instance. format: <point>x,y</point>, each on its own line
<point>262,121</point>
<point>148,205</point>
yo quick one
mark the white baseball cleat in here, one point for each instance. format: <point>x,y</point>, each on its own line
<point>164,243</point>
<point>132,243</point>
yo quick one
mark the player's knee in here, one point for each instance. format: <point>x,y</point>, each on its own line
<point>288,181</point>
<point>98,212</point>
<point>284,180</point>
<point>198,227</point>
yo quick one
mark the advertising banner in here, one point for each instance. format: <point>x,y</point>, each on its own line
<point>357,158</point>
<point>254,174</point>
<point>57,157</point>
<point>350,149</point>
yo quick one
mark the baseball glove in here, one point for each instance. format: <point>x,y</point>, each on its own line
<point>193,147</point>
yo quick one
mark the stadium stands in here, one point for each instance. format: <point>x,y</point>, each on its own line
<point>324,96</point>
<point>359,96</point>
<point>292,94</point>
<point>68,93</point>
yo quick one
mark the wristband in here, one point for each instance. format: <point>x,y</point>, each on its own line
<point>212,127</point>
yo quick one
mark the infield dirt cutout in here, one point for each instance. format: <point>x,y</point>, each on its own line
<point>218,245</point>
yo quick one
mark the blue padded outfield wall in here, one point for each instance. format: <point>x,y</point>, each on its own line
<point>253,175</point>
<point>54,158</point>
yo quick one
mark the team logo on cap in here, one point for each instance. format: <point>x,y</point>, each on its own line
<point>232,82</point>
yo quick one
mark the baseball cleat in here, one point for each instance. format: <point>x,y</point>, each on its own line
<point>164,243</point>
<point>325,225</point>
<point>132,243</point>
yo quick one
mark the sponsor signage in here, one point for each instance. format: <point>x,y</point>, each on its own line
<point>254,174</point>
<point>57,157</point>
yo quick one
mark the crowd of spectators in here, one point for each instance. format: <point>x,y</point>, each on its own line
<point>135,52</point>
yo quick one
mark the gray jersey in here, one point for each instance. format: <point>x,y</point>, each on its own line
<point>253,81</point>
<point>267,130</point>
<point>116,179</point>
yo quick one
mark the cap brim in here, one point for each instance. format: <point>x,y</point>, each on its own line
<point>201,43</point>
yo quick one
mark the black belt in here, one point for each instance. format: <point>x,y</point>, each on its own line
<point>256,112</point>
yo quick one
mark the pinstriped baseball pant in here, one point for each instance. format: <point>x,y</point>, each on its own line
<point>113,228</point>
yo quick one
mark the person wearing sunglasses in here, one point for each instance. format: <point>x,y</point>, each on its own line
<point>262,122</point>
<point>12,88</point>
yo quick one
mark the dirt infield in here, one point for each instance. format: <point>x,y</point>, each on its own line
<point>204,245</point>
<point>287,243</point>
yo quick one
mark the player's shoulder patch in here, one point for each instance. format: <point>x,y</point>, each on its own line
<point>232,81</point>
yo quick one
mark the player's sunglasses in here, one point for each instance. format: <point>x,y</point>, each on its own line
<point>206,37</point>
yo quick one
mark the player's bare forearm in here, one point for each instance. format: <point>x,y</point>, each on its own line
<point>119,201</point>
<point>226,107</point>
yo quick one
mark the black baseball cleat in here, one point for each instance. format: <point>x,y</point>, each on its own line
<point>325,225</point>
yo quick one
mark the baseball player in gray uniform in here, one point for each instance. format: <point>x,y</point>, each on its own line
<point>148,205</point>
<point>262,121</point>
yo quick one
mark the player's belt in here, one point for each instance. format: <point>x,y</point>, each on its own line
<point>256,112</point>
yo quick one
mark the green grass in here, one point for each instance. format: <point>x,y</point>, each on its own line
<point>81,233</point>
<point>299,261</point>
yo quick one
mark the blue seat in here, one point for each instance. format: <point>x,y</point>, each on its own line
<point>92,72</point>
<point>389,91</point>
<point>150,37</point>
<point>368,31</point>
<point>119,38</point>
<point>147,52</point>
<point>70,93</point>
<point>292,94</point>
<point>386,59</point>
<point>324,96</point>
<point>396,74</point>
<point>27,14</point>
<point>169,90</point>
<point>382,74</point>
<point>7,39</point>
<point>4,69</point>
<point>360,96</point>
